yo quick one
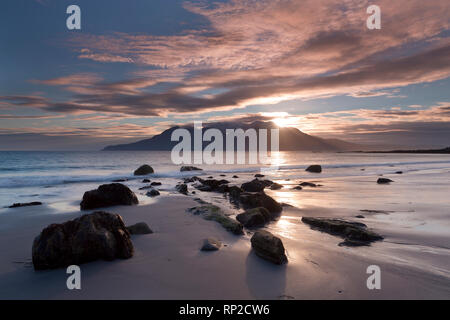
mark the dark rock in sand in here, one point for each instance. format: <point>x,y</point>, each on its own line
<point>191,179</point>
<point>276,186</point>
<point>153,193</point>
<point>211,244</point>
<point>99,235</point>
<point>27,204</point>
<point>146,187</point>
<point>298,188</point>
<point>399,172</point>
<point>235,177</point>
<point>155,183</point>
<point>256,217</point>
<point>354,233</point>
<point>235,192</point>
<point>212,185</point>
<point>258,175</point>
<point>146,181</point>
<point>139,228</point>
<point>384,180</point>
<point>107,195</point>
<point>360,216</point>
<point>308,184</point>
<point>143,170</point>
<point>251,200</point>
<point>190,168</point>
<point>314,168</point>
<point>120,180</point>
<point>253,186</point>
<point>222,188</point>
<point>223,175</point>
<point>268,247</point>
<point>182,188</point>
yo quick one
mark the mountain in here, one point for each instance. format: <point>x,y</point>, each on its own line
<point>290,139</point>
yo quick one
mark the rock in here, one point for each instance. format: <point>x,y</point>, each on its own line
<point>146,187</point>
<point>314,168</point>
<point>153,193</point>
<point>235,177</point>
<point>120,180</point>
<point>384,180</point>
<point>182,188</point>
<point>251,200</point>
<point>139,228</point>
<point>190,179</point>
<point>212,212</point>
<point>360,216</point>
<point>268,247</point>
<point>354,233</point>
<point>253,186</point>
<point>256,217</point>
<point>211,244</point>
<point>143,170</point>
<point>298,188</point>
<point>234,192</point>
<point>258,175</point>
<point>222,188</point>
<point>99,235</point>
<point>276,186</point>
<point>223,175</point>
<point>308,184</point>
<point>146,181</point>
<point>212,185</point>
<point>107,195</point>
<point>399,172</point>
<point>190,168</point>
<point>155,183</point>
<point>26,204</point>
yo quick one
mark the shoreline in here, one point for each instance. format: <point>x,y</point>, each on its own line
<point>169,265</point>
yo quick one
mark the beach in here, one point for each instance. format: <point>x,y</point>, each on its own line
<point>412,214</point>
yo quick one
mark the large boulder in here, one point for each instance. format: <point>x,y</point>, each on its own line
<point>190,168</point>
<point>268,247</point>
<point>143,170</point>
<point>139,228</point>
<point>107,195</point>
<point>256,217</point>
<point>314,168</point>
<point>251,200</point>
<point>99,235</point>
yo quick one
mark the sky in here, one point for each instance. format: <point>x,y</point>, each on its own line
<point>138,67</point>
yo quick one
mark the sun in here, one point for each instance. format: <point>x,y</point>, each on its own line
<point>281,122</point>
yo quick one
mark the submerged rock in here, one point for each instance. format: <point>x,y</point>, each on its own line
<point>211,244</point>
<point>99,235</point>
<point>139,228</point>
<point>146,181</point>
<point>155,183</point>
<point>256,217</point>
<point>190,168</point>
<point>354,233</point>
<point>212,212</point>
<point>268,247</point>
<point>26,204</point>
<point>143,170</point>
<point>384,180</point>
<point>314,168</point>
<point>107,195</point>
